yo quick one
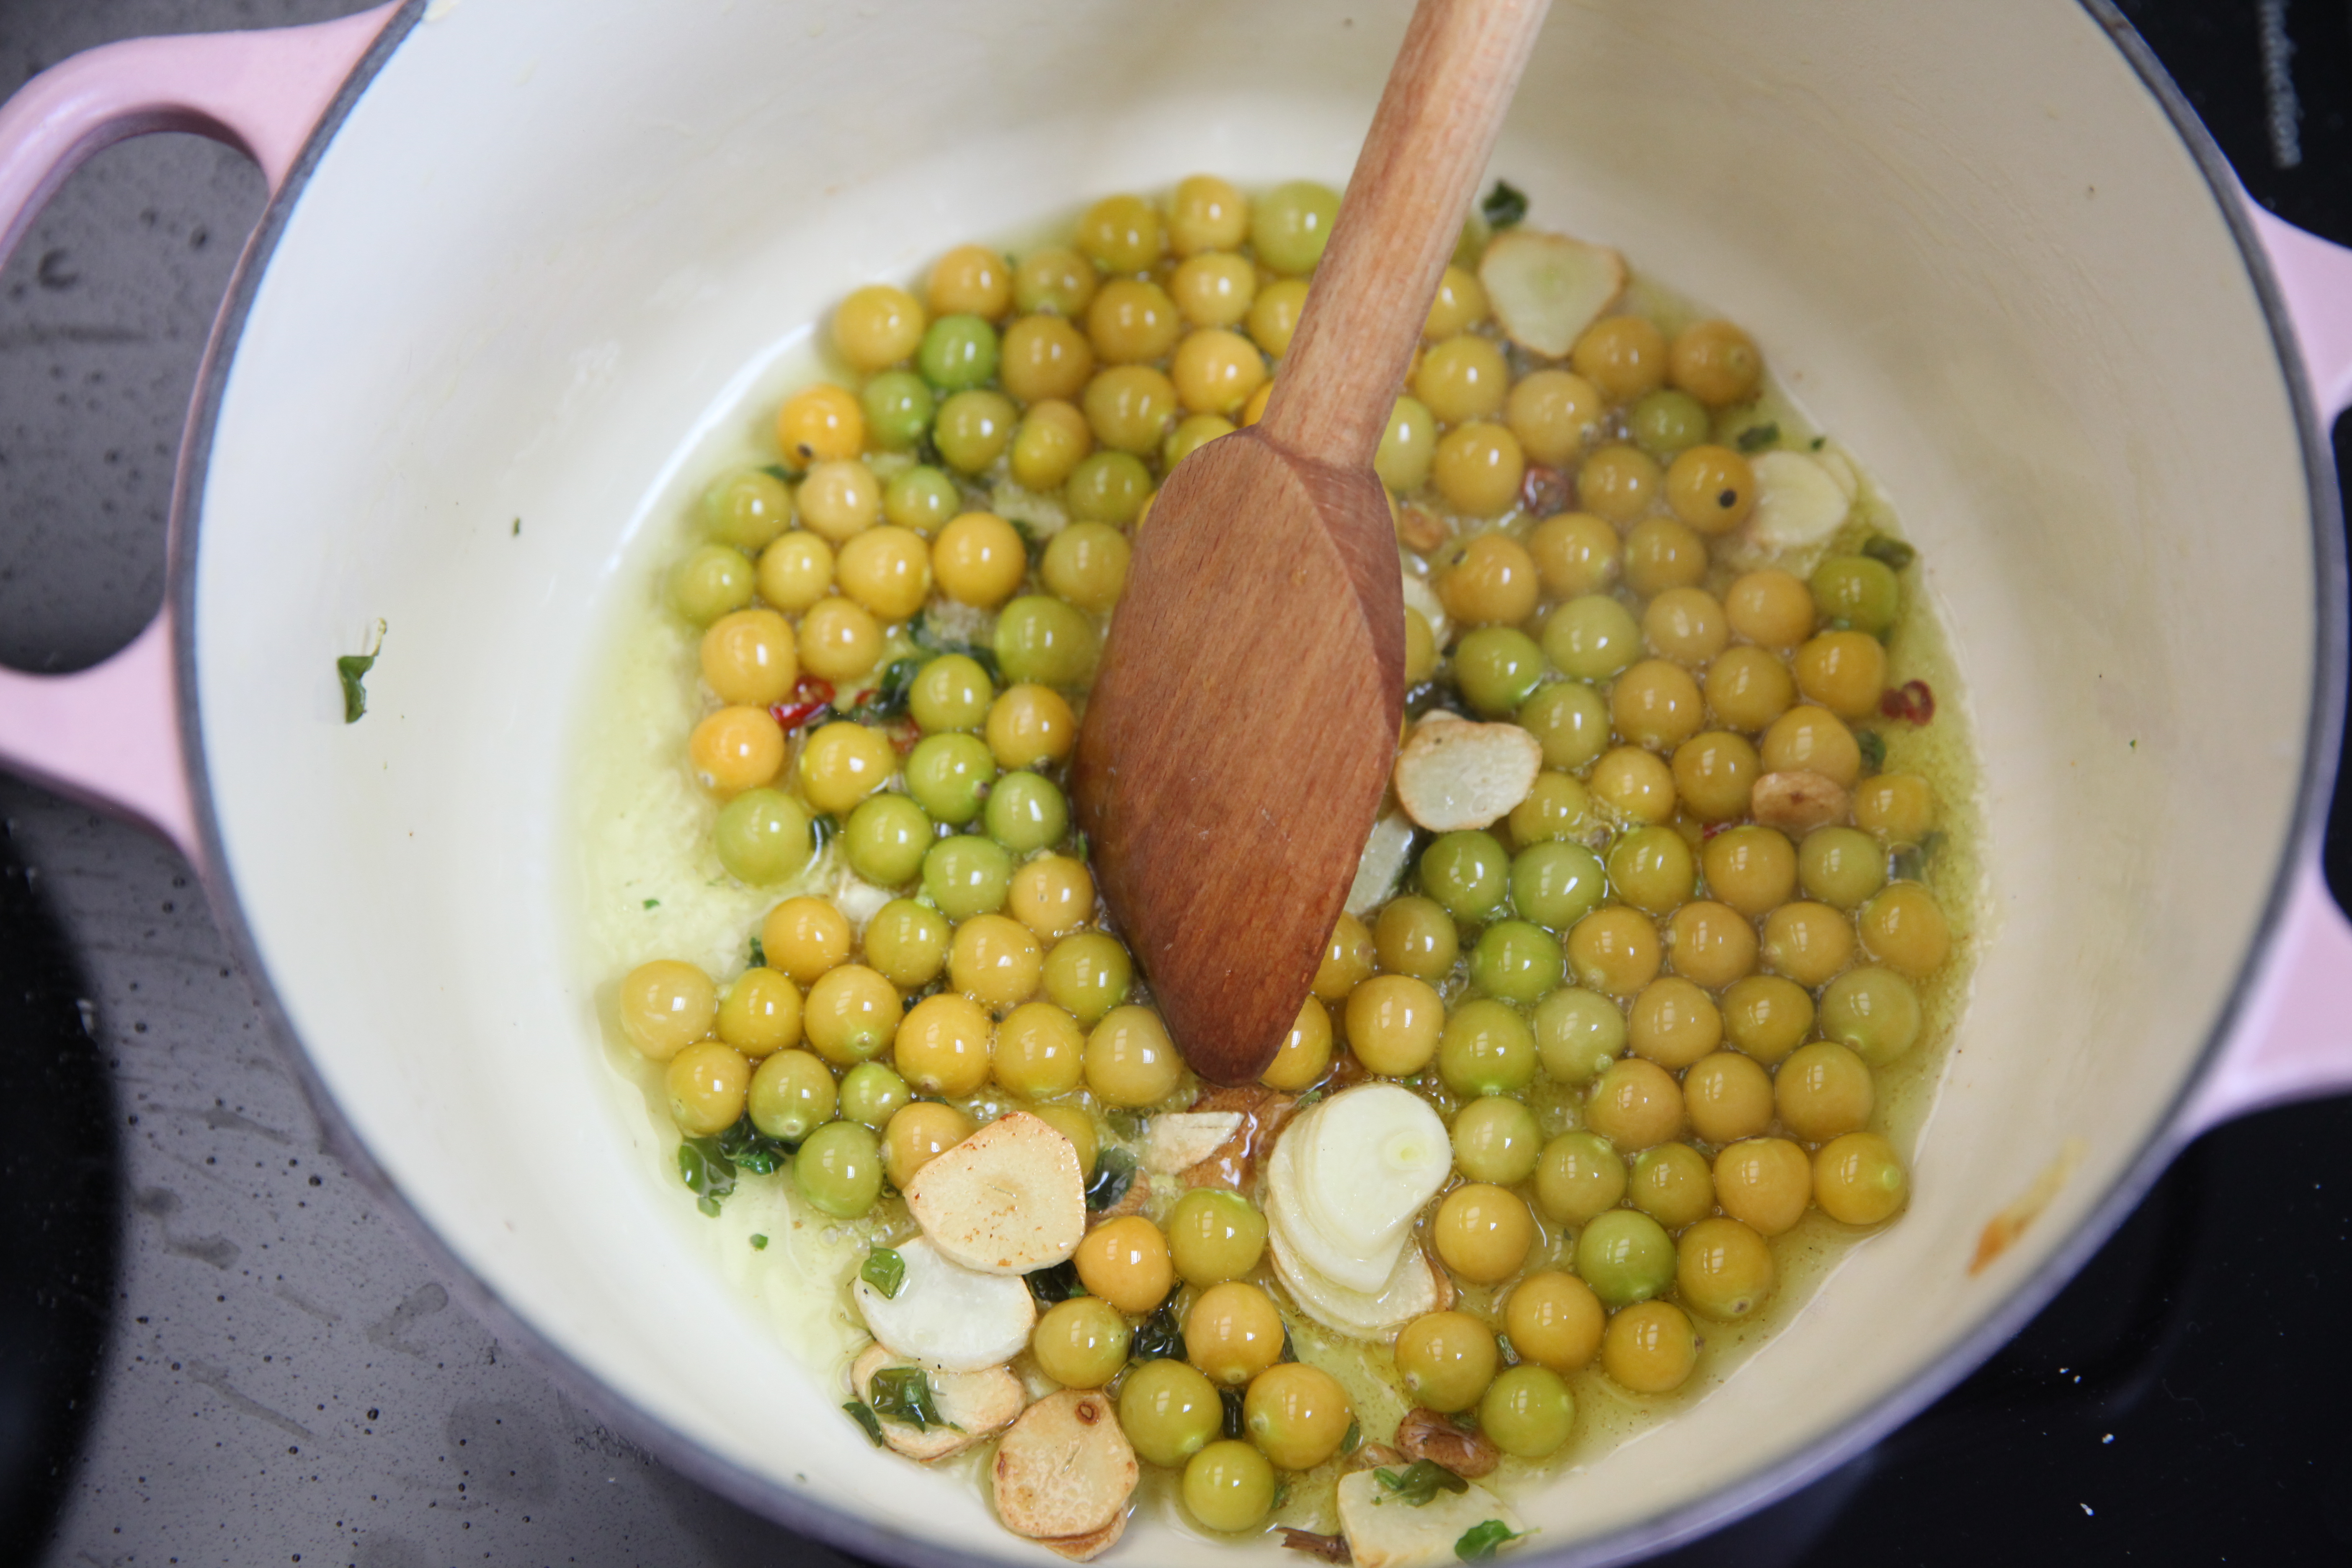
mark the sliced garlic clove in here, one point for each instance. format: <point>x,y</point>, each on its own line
<point>1455,774</point>
<point>1007,1200</point>
<point>1385,1531</point>
<point>951,1317</point>
<point>1359,1271</point>
<point>1065,1469</point>
<point>1375,1154</point>
<point>1799,503</point>
<point>1183,1139</point>
<point>1386,854</point>
<point>973,1403</point>
<point>1546,289</point>
<point>1410,1290</point>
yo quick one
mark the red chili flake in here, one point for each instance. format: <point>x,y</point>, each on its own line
<point>1545,491</point>
<point>811,698</point>
<point>904,736</point>
<point>1913,702</point>
<point>1712,829</point>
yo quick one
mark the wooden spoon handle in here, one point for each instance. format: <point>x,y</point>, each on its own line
<point>1398,225</point>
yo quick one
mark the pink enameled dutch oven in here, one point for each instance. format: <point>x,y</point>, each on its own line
<point>524,260</point>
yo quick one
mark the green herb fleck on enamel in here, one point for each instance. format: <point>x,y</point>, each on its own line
<point>351,670</point>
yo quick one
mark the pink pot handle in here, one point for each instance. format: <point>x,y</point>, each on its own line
<point>2292,1040</point>
<point>110,734</point>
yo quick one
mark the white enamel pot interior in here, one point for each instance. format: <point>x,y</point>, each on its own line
<point>550,245</point>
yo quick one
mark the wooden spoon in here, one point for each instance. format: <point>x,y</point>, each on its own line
<point>1241,727</point>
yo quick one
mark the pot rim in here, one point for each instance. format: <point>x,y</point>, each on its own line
<point>850,1532</point>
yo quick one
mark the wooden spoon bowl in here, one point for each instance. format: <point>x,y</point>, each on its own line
<point>1240,732</point>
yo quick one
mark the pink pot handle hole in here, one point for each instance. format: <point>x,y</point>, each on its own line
<point>2293,1039</point>
<point>110,734</point>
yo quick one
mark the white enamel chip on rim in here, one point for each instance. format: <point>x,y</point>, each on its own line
<point>952,1317</point>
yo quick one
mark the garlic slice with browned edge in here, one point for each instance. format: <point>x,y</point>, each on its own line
<point>973,1403</point>
<point>1452,774</point>
<point>1009,1199</point>
<point>1065,1469</point>
<point>950,1316</point>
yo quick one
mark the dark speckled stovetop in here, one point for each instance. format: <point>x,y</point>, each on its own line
<point>216,1347</point>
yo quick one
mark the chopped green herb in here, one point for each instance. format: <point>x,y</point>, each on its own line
<point>1419,1481</point>
<point>1055,1284</point>
<point>1309,1097</point>
<point>920,631</point>
<point>1873,750</point>
<point>751,1148</point>
<point>759,1244</point>
<point>1029,540</point>
<point>866,1418</point>
<point>758,955</point>
<point>1352,1438</point>
<point>904,1393</point>
<point>1756,437</point>
<point>352,670</point>
<point>1158,1338</point>
<point>1289,1351</point>
<point>1078,845</point>
<point>1236,1414</point>
<point>824,828</point>
<point>1895,554</point>
<point>708,1172</point>
<point>1478,1542</point>
<point>653,903</point>
<point>1820,442</point>
<point>1909,864</point>
<point>1125,1123</point>
<point>1113,1173</point>
<point>891,700</point>
<point>518,528</point>
<point>886,1271</point>
<point>1504,206</point>
<point>1510,1352</point>
<point>781,472</point>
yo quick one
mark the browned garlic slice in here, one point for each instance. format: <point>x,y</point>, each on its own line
<point>1065,1469</point>
<point>1452,773</point>
<point>1007,1200</point>
<point>977,1402</point>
